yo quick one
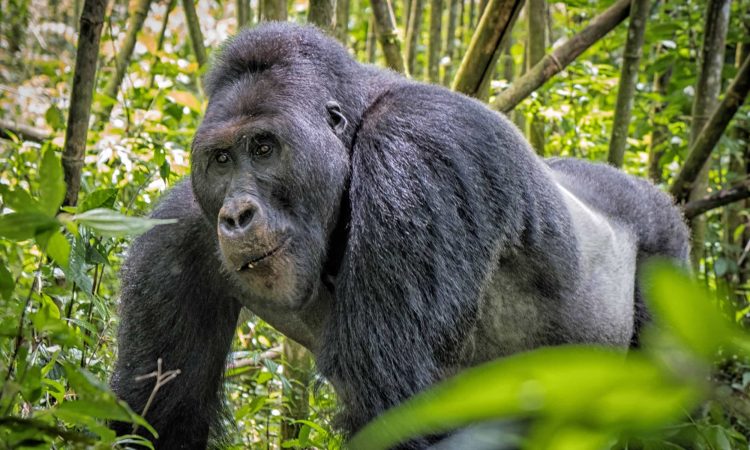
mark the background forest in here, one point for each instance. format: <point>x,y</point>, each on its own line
<point>655,87</point>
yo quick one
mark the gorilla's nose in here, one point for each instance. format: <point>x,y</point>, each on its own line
<point>236,217</point>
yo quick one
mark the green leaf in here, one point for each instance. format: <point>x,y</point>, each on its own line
<point>58,248</point>
<point>20,226</point>
<point>101,198</point>
<point>577,386</point>
<point>7,283</point>
<point>19,200</point>
<point>679,303</point>
<point>111,223</point>
<point>55,118</point>
<point>100,409</point>
<point>52,185</point>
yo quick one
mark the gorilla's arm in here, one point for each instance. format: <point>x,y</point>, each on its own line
<point>176,305</point>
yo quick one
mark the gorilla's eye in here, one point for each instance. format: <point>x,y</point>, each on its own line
<point>262,150</point>
<point>222,157</point>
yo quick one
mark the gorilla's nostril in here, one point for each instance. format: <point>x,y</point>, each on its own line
<point>245,217</point>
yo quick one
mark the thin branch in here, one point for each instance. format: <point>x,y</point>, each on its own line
<point>724,197</point>
<point>272,353</point>
<point>711,133</point>
<point>484,50</point>
<point>194,28</point>
<point>162,378</point>
<point>385,28</point>
<point>24,132</point>
<point>562,56</point>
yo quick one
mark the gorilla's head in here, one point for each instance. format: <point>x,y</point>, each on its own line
<point>270,162</point>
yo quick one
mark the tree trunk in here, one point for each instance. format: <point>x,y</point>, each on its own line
<point>659,129</point>
<point>536,13</point>
<point>735,215</point>
<point>194,29</point>
<point>706,141</point>
<point>274,10</point>
<point>385,30</point>
<point>433,52</point>
<point>478,64</point>
<point>122,60</point>
<point>706,98</point>
<point>412,35</point>
<point>244,14</point>
<point>562,56</point>
<point>372,43</point>
<point>323,14</point>
<point>629,76</point>
<point>450,40</point>
<point>82,91</point>
<point>299,365</point>
<point>342,20</point>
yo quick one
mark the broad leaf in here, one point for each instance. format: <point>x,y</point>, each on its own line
<point>111,223</point>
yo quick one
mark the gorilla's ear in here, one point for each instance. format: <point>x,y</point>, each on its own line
<point>336,118</point>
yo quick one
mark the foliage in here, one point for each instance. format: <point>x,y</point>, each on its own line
<point>688,388</point>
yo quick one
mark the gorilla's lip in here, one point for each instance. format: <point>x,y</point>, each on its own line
<point>255,260</point>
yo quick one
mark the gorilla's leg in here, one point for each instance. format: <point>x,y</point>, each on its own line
<point>176,305</point>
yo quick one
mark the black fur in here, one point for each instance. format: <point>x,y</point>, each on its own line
<point>399,219</point>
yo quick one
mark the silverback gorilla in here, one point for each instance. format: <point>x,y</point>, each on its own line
<point>398,230</point>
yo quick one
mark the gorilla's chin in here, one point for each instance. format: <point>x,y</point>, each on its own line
<point>271,275</point>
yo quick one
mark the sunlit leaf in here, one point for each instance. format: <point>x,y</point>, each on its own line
<point>111,223</point>
<point>52,185</point>
<point>19,200</point>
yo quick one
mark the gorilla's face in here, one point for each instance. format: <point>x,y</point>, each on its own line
<point>270,175</point>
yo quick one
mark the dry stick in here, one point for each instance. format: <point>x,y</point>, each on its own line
<point>92,19</point>
<point>122,60</point>
<point>162,378</point>
<point>480,59</point>
<point>323,14</point>
<point>272,353</point>
<point>561,56</point>
<point>628,78</point>
<point>706,141</point>
<point>196,36</point>
<point>385,29</point>
<point>25,132</point>
<point>733,194</point>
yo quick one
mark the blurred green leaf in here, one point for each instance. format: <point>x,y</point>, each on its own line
<point>19,200</point>
<point>679,303</point>
<point>101,198</point>
<point>55,118</point>
<point>577,385</point>
<point>52,185</point>
<point>7,283</point>
<point>111,223</point>
<point>20,226</point>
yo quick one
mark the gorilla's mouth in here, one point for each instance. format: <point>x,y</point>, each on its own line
<point>251,263</point>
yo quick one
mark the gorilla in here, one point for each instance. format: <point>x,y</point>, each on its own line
<point>398,230</point>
